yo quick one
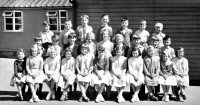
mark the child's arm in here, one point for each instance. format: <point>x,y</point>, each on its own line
<point>77,66</point>
<point>41,66</point>
<point>186,67</point>
<point>57,69</point>
<point>146,72</point>
<point>125,64</point>
<point>91,65</point>
<point>28,67</point>
<point>46,66</point>
<point>157,67</point>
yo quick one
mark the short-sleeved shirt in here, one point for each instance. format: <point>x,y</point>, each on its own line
<point>144,35</point>
<point>46,36</point>
<point>83,30</point>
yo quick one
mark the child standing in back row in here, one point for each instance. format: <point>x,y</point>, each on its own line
<point>83,29</point>
<point>104,26</point>
<point>143,33</point>
<point>125,31</point>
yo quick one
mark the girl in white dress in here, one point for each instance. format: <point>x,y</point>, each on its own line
<point>92,46</point>
<point>67,73</point>
<point>84,67</point>
<point>52,68</point>
<point>166,78</point>
<point>35,74</point>
<point>181,72</point>
<point>135,73</point>
<point>118,73</point>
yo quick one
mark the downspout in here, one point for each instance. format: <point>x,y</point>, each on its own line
<point>74,12</point>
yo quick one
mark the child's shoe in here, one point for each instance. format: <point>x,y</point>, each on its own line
<point>31,100</point>
<point>101,98</point>
<point>166,98</point>
<point>53,95</point>
<point>97,100</point>
<point>49,96</point>
<point>36,99</point>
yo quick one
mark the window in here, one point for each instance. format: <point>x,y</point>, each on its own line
<point>57,19</point>
<point>13,21</point>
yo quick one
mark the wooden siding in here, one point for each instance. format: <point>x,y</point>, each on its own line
<point>32,18</point>
<point>181,19</point>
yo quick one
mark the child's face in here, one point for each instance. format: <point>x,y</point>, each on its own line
<point>84,21</point>
<point>155,43</point>
<point>180,53</point>
<point>68,55</point>
<point>136,42</point>
<point>167,42</point>
<point>84,51</point>
<point>72,40</point>
<point>124,24</point>
<point>68,25</point>
<point>100,53</point>
<point>150,51</point>
<point>105,35</point>
<point>119,52</point>
<point>20,55</point>
<point>53,54</point>
<point>105,20</point>
<point>34,52</point>
<point>135,53</point>
<point>38,42</point>
<point>54,41</point>
<point>158,29</point>
<point>164,57</point>
<point>46,28</point>
<point>143,26</point>
<point>89,38</point>
<point>119,40</point>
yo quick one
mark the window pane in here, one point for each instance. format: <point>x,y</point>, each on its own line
<point>53,20</point>
<point>53,27</point>
<point>18,14</point>
<point>62,27</point>
<point>18,27</point>
<point>9,27</point>
<point>9,20</point>
<point>63,20</point>
<point>18,21</point>
<point>51,13</point>
<point>63,13</point>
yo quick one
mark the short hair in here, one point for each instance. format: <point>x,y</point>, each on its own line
<point>101,48</point>
<point>158,24</point>
<point>45,23</point>
<point>136,49</point>
<point>34,47</point>
<point>105,15</point>
<point>68,20</point>
<point>167,37</point>
<point>85,16</point>
<point>118,48</point>
<point>124,19</point>
<point>20,50</point>
<point>90,34</point>
<point>179,48</point>
<point>143,21</point>
<point>55,37</point>
<point>150,47</point>
<point>85,46</point>
<point>37,38</point>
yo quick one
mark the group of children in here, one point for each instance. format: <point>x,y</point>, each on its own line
<point>101,61</point>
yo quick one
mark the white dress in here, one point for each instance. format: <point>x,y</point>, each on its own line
<point>35,66</point>
<point>85,64</point>
<point>119,67</point>
<point>52,67</point>
<point>108,47</point>
<point>67,72</point>
<point>181,67</point>
<point>135,67</point>
<point>167,70</point>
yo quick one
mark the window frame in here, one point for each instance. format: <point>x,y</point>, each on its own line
<point>13,17</point>
<point>58,17</point>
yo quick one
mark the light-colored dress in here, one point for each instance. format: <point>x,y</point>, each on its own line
<point>34,65</point>
<point>135,67</point>
<point>92,48</point>
<point>144,35</point>
<point>108,47</point>
<point>151,67</point>
<point>119,67</point>
<point>85,64</point>
<point>101,66</point>
<point>52,67</point>
<point>167,69</point>
<point>181,67</point>
<point>67,72</point>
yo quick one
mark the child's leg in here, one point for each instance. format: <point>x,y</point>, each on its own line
<point>82,88</point>
<point>133,88</point>
<point>137,92</point>
<point>120,95</point>
<point>182,92</point>
<point>33,91</point>
<point>19,87</point>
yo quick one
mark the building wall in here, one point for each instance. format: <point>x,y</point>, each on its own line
<point>32,22</point>
<point>181,19</point>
